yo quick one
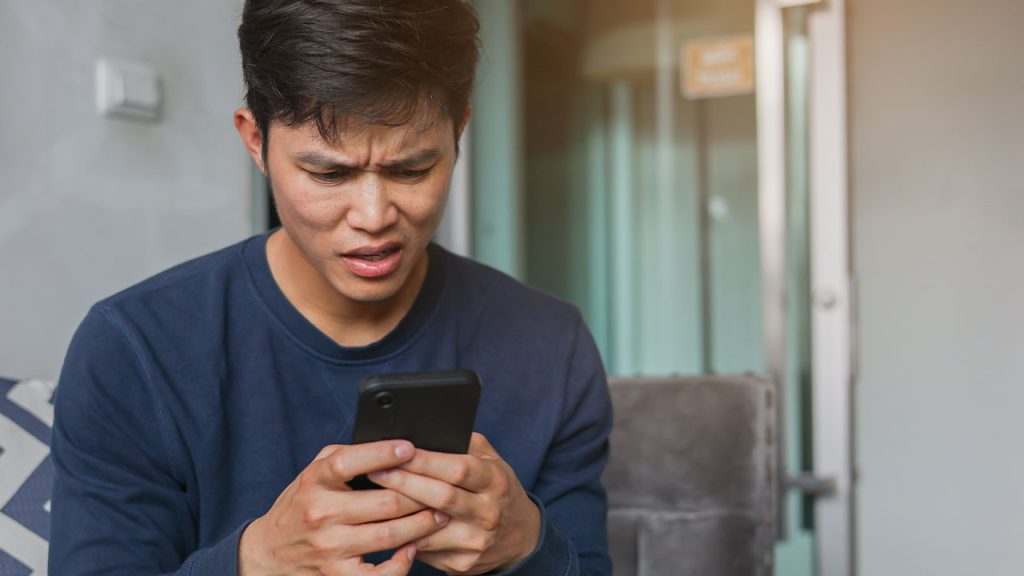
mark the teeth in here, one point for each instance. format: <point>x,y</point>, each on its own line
<point>378,256</point>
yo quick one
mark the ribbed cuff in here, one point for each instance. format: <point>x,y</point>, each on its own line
<point>554,555</point>
<point>221,559</point>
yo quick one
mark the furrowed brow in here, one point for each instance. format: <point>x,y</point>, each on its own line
<point>415,159</point>
<point>317,160</point>
<point>323,162</point>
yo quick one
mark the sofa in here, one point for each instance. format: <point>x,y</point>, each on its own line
<point>690,480</point>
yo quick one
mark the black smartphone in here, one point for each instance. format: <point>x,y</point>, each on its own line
<point>433,410</point>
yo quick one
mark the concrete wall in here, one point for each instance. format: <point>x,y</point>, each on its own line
<point>937,119</point>
<point>89,204</point>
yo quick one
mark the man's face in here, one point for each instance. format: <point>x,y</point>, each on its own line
<point>362,210</point>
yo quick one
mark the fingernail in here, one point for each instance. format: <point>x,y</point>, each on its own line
<point>378,476</point>
<point>404,451</point>
<point>410,553</point>
<point>440,517</point>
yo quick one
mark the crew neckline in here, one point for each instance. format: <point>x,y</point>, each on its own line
<point>311,337</point>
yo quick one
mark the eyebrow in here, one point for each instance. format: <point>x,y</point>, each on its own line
<point>324,162</point>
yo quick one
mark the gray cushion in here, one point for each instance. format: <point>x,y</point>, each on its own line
<point>624,541</point>
<point>697,545</point>
<point>690,481</point>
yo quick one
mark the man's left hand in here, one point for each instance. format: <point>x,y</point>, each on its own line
<point>493,525</point>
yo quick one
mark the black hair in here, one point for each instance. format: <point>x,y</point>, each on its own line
<point>376,61</point>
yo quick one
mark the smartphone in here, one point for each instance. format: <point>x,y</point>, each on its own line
<point>433,410</point>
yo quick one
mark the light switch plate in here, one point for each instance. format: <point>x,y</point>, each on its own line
<point>127,89</point>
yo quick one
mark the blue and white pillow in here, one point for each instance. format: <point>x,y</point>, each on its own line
<point>26,474</point>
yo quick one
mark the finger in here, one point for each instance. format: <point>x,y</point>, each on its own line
<point>460,470</point>
<point>360,507</point>
<point>480,446</point>
<point>368,538</point>
<point>347,462</point>
<point>456,536</point>
<point>398,565</point>
<point>436,494</point>
<point>327,451</point>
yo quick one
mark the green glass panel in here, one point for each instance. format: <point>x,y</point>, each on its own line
<point>495,143</point>
<point>794,555</point>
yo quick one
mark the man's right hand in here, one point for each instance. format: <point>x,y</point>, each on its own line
<point>320,526</point>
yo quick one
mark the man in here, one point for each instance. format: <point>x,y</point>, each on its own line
<point>203,416</point>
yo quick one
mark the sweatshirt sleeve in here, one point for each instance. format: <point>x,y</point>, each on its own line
<point>118,507</point>
<point>569,492</point>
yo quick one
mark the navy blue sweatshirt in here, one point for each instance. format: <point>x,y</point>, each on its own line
<point>187,403</point>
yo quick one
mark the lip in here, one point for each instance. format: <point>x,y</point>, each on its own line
<point>360,266</point>
<point>372,249</point>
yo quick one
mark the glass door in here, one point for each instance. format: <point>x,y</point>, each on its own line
<point>622,159</point>
<point>641,202</point>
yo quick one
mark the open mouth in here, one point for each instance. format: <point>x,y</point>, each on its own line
<point>374,261</point>
<point>375,256</point>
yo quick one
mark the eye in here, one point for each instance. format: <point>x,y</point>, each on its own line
<point>333,177</point>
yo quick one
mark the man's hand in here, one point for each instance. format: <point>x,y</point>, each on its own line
<point>494,524</point>
<point>319,526</point>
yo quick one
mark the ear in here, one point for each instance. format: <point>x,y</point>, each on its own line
<point>465,120</point>
<point>252,138</point>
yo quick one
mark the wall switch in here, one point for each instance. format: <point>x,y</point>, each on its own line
<point>127,89</point>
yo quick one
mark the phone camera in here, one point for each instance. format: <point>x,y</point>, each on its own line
<point>385,400</point>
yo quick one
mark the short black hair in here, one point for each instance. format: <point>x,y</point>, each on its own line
<point>378,61</point>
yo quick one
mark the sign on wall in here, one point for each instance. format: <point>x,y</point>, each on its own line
<point>714,67</point>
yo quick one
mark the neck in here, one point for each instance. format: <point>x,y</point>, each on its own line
<point>348,322</point>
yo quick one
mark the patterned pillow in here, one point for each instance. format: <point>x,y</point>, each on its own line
<point>26,473</point>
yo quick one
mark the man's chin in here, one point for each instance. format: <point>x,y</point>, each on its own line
<point>368,296</point>
<point>366,291</point>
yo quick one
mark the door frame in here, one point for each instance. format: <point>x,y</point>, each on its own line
<point>831,292</point>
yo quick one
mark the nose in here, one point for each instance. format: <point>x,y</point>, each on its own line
<point>371,210</point>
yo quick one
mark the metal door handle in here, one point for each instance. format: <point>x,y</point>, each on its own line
<point>812,485</point>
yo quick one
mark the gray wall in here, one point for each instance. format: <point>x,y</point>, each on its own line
<point>937,90</point>
<point>89,204</point>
